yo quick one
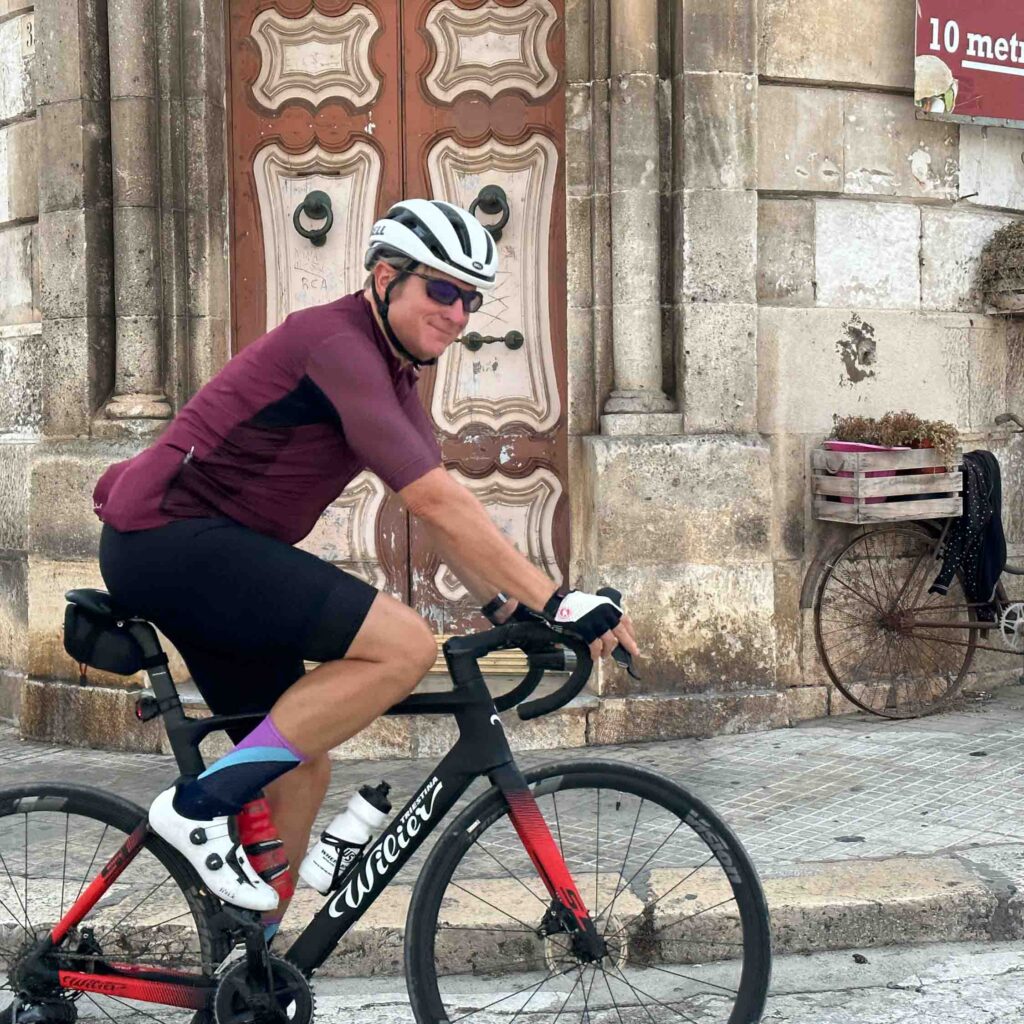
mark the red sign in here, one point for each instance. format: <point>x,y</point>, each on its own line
<point>970,60</point>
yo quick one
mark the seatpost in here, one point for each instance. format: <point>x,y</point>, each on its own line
<point>179,728</point>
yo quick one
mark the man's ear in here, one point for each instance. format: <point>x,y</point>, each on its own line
<point>383,275</point>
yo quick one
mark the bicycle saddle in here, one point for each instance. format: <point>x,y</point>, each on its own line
<point>98,603</point>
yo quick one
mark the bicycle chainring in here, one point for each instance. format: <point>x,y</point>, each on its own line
<point>236,1001</point>
<point>1011,626</point>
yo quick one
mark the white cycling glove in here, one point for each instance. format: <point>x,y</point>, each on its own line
<point>590,616</point>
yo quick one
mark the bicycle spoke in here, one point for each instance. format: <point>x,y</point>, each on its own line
<point>685,977</point>
<point>488,903</point>
<point>611,995</point>
<point>622,871</point>
<point>558,825</point>
<point>643,1006</point>
<point>28,917</point>
<point>135,1009</point>
<point>597,849</point>
<point>679,1013</point>
<point>100,1008</point>
<point>679,825</point>
<point>111,928</point>
<point>95,853</point>
<point>515,878</point>
<point>17,895</point>
<point>561,1010</point>
<point>510,995</point>
<point>674,924</point>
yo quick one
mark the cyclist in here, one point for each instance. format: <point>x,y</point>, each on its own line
<point>199,531</point>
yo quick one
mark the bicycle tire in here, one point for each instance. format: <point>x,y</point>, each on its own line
<point>918,672</point>
<point>102,824</point>
<point>636,931</point>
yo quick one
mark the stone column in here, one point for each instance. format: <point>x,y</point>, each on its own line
<point>138,385</point>
<point>715,210</point>
<point>637,404</point>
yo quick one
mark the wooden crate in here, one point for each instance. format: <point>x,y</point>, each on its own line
<point>918,485</point>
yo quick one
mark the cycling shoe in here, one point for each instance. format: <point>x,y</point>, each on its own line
<point>215,851</point>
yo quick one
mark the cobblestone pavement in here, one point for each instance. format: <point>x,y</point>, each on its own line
<point>855,788</point>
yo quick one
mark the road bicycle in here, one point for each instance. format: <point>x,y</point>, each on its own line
<point>582,890</point>
<point>890,647</point>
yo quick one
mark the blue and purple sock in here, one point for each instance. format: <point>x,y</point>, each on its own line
<point>236,778</point>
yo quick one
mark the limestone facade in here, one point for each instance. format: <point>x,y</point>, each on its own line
<point>747,189</point>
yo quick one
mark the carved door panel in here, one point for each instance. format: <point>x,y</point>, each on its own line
<point>484,106</point>
<point>371,101</point>
<point>315,108</point>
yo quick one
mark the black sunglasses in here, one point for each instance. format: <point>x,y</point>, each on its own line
<point>446,293</point>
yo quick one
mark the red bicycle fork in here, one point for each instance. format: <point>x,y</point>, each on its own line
<point>124,981</point>
<point>547,858</point>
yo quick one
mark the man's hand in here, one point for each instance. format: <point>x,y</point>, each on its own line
<point>598,620</point>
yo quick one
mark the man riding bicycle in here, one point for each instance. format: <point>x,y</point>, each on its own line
<point>199,531</point>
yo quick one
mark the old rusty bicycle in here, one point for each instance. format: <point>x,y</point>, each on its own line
<point>891,647</point>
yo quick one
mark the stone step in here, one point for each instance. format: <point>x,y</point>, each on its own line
<point>104,718</point>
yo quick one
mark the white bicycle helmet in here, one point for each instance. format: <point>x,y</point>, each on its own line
<point>438,235</point>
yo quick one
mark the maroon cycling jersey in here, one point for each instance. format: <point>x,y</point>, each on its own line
<point>278,434</point>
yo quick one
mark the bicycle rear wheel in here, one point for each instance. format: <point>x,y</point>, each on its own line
<point>889,646</point>
<point>54,840</point>
<point>669,887</point>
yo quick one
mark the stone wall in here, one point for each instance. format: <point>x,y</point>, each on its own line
<point>870,224</point>
<point>20,332</point>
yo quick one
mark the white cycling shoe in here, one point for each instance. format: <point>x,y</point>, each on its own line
<point>213,849</point>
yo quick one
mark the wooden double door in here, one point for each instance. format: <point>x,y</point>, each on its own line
<point>361,104</point>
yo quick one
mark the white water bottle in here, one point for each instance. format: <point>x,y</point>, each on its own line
<point>343,840</point>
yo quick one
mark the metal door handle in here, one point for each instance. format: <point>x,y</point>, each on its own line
<point>475,341</point>
<point>492,200</point>
<point>316,206</point>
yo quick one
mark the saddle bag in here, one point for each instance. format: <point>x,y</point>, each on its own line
<point>100,643</point>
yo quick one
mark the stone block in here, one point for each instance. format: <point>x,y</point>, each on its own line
<point>634,133</point>
<point>19,171</point>
<point>19,300</point>
<point>718,138</point>
<point>867,254</point>
<point>816,362</point>
<point>209,346</point>
<point>205,52</point>
<point>79,360</point>
<point>789,462</point>
<point>579,119</point>
<point>806,702</point>
<point>579,245</point>
<point>986,347</point>
<point>386,737</point>
<point>701,627</point>
<point>74,145</point>
<point>134,73</point>
<point>785,252</point>
<point>890,152</point>
<point>991,171</point>
<point>133,140</point>
<point>76,263</point>
<point>661,717</point>
<point>719,360</point>
<point>11,683</point>
<point>64,526</point>
<point>136,242</point>
<point>21,370</point>
<point>821,40</point>
<point>719,35</point>
<point>800,139</point>
<point>951,245</point>
<point>684,501</point>
<point>577,41</point>
<point>17,57</point>
<point>582,407</point>
<point>719,249</point>
<point>86,716</point>
<point>13,613</point>
<point>635,226</point>
<point>788,582</point>
<point>72,50</point>
<point>15,459</point>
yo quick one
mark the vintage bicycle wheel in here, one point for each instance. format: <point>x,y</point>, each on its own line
<point>54,840</point>
<point>670,888</point>
<point>889,646</point>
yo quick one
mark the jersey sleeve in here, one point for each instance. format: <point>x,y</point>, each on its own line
<point>384,433</point>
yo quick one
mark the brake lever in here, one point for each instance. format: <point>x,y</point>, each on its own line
<point>623,658</point>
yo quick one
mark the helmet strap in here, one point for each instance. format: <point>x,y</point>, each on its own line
<point>382,308</point>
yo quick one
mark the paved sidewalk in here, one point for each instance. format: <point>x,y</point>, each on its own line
<point>865,832</point>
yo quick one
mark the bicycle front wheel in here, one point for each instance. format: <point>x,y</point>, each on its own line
<point>669,887</point>
<point>889,646</point>
<point>54,840</point>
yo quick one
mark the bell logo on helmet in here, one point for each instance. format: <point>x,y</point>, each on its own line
<point>379,228</point>
<point>477,266</point>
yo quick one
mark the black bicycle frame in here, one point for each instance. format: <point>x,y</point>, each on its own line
<point>482,749</point>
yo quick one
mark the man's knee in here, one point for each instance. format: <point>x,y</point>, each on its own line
<point>396,634</point>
